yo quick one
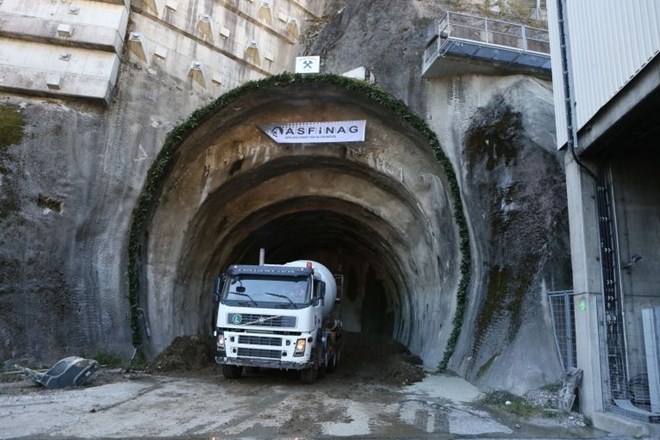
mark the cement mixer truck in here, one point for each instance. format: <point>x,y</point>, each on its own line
<point>277,316</point>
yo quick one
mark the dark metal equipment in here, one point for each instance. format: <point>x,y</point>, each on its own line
<point>69,372</point>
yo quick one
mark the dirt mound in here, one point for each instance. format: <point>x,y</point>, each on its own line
<point>186,353</point>
<point>364,357</point>
<point>378,358</point>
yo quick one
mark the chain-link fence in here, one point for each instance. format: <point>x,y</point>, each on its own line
<point>563,323</point>
<point>635,392</point>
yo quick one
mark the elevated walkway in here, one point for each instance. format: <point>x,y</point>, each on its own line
<point>461,43</point>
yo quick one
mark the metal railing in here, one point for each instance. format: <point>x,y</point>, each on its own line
<point>483,30</point>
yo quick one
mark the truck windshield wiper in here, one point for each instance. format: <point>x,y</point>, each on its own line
<point>245,294</point>
<point>281,296</point>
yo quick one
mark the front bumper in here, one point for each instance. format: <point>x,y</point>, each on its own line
<point>267,350</point>
<point>263,363</point>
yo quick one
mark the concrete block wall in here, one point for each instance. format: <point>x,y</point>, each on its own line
<point>58,48</point>
<point>74,48</point>
<point>216,46</point>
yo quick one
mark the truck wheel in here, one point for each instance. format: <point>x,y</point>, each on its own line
<point>309,375</point>
<point>232,371</point>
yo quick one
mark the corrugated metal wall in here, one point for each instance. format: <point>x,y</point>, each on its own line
<point>611,41</point>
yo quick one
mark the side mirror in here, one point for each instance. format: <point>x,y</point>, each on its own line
<point>217,288</point>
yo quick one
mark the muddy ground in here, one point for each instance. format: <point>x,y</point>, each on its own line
<point>364,357</point>
<point>379,391</point>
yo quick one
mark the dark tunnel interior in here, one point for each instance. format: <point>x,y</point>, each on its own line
<point>367,276</point>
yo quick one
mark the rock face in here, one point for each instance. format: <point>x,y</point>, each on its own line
<point>73,182</point>
<point>70,184</point>
<point>498,132</point>
<point>514,190</point>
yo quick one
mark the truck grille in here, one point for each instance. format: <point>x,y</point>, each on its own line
<point>259,353</point>
<point>261,320</point>
<point>260,340</point>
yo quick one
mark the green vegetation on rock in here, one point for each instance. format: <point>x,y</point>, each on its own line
<point>494,141</point>
<point>510,403</point>
<point>486,367</point>
<point>11,126</point>
<point>11,133</point>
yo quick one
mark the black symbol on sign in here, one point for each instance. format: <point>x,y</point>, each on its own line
<point>308,64</point>
<point>277,131</point>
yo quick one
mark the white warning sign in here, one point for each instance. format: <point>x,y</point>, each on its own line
<point>308,64</point>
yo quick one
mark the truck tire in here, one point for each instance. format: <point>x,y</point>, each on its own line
<point>232,371</point>
<point>309,375</point>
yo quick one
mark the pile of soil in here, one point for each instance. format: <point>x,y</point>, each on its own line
<point>369,358</point>
<point>186,353</point>
<point>380,359</point>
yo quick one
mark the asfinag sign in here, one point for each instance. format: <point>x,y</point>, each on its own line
<point>316,132</point>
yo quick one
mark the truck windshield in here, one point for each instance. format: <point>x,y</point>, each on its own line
<point>267,291</point>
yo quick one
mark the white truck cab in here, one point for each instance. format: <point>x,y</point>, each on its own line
<point>273,316</point>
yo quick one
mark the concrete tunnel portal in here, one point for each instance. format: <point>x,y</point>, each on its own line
<point>377,212</point>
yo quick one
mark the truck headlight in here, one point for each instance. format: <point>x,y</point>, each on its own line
<point>300,347</point>
<point>221,341</point>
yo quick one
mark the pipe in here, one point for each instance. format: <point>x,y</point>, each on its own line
<point>569,97</point>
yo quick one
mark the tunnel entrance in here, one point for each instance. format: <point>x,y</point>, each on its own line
<point>378,212</point>
<point>342,244</point>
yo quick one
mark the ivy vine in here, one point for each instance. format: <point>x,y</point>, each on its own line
<point>164,161</point>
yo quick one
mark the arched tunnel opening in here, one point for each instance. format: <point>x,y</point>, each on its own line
<point>344,245</point>
<point>378,213</point>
